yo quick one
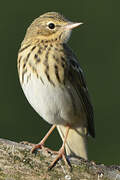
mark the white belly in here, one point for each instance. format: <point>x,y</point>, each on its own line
<point>54,104</point>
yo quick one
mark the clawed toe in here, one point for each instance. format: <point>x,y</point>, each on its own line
<point>35,148</point>
<point>41,146</point>
<point>61,155</point>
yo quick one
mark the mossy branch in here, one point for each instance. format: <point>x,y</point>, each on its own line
<point>17,163</point>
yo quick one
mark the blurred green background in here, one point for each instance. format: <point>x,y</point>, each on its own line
<point>97,45</point>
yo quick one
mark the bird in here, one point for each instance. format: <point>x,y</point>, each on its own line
<point>54,84</point>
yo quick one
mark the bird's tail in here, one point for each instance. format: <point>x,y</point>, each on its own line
<point>76,141</point>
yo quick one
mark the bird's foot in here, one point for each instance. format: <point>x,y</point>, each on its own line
<point>60,154</point>
<point>41,146</point>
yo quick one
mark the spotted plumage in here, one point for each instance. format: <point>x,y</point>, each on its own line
<point>53,82</point>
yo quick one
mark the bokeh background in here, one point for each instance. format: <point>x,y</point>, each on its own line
<point>97,45</point>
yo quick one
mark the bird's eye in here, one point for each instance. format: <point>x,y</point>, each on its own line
<point>51,26</point>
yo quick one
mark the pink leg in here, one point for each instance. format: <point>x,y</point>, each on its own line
<point>41,144</point>
<point>61,152</point>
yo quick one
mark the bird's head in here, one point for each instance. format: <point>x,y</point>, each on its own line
<point>51,26</point>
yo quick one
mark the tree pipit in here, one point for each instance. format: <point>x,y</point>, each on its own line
<point>53,83</point>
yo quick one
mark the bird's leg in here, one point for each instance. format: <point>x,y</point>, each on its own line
<point>61,152</point>
<point>41,144</point>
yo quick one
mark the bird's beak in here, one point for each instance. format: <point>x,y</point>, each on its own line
<point>72,25</point>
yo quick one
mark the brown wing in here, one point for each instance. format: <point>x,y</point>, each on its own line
<point>77,79</point>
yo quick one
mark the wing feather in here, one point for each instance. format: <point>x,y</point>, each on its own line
<point>76,77</point>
